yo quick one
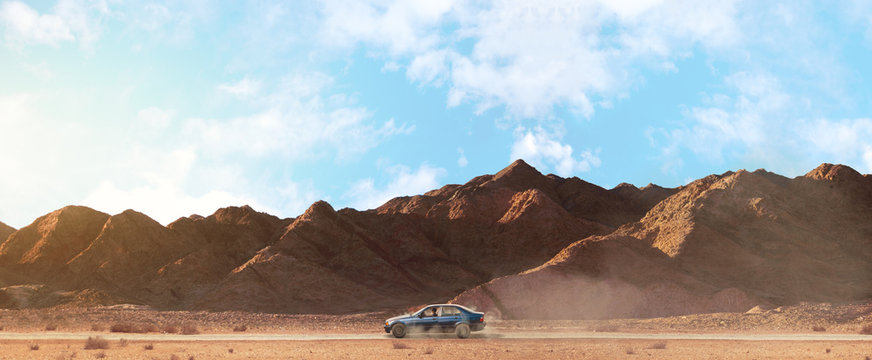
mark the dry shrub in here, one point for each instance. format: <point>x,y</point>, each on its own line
<point>94,343</point>
<point>171,329</point>
<point>230,350</point>
<point>51,327</point>
<point>400,345</point>
<point>97,327</point>
<point>126,328</point>
<point>629,351</point>
<point>658,345</point>
<point>240,328</point>
<point>34,347</point>
<point>429,351</point>
<point>174,357</point>
<point>189,329</point>
<point>150,328</point>
<point>148,347</point>
<point>866,330</point>
<point>818,328</point>
<point>122,342</point>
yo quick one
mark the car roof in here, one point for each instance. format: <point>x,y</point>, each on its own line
<point>454,305</point>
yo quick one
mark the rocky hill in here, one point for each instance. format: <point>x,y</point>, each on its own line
<point>411,250</point>
<point>723,243</point>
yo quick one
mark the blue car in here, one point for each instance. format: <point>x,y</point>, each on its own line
<point>438,317</point>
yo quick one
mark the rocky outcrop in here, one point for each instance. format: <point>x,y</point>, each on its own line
<point>723,243</point>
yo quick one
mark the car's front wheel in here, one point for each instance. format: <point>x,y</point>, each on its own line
<point>462,331</point>
<point>398,330</point>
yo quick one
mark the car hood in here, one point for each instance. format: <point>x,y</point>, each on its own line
<point>401,317</point>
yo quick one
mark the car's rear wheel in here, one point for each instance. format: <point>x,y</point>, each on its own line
<point>462,331</point>
<point>398,330</point>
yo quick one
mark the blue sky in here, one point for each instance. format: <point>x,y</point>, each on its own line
<point>181,107</point>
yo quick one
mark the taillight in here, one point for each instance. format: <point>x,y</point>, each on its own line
<point>481,319</point>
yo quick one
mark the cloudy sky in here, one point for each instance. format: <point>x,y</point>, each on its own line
<point>181,107</point>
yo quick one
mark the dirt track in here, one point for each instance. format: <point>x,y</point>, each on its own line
<point>483,335</point>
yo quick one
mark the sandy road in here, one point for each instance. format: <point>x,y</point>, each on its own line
<point>483,335</point>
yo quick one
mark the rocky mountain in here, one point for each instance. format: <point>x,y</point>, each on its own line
<point>5,231</point>
<point>411,250</point>
<point>723,243</point>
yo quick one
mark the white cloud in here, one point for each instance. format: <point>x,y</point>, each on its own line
<point>69,20</point>
<point>867,158</point>
<point>23,22</point>
<point>243,88</point>
<point>531,57</point>
<point>462,161</point>
<point>155,118</point>
<point>296,121</point>
<point>364,194</point>
<point>544,151</point>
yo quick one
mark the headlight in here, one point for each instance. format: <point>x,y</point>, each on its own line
<point>386,323</point>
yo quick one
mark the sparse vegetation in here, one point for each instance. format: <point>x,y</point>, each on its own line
<point>240,328</point>
<point>629,351</point>
<point>150,328</point>
<point>189,329</point>
<point>230,350</point>
<point>51,327</point>
<point>94,343</point>
<point>148,347</point>
<point>126,328</point>
<point>400,345</point>
<point>171,329</point>
<point>98,327</point>
<point>605,328</point>
<point>866,330</point>
<point>34,347</point>
<point>818,328</point>
<point>122,342</point>
<point>658,345</point>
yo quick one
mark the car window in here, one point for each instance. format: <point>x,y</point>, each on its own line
<point>450,311</point>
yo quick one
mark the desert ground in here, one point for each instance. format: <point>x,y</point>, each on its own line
<point>805,331</point>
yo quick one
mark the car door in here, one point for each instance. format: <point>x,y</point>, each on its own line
<point>449,315</point>
<point>429,318</point>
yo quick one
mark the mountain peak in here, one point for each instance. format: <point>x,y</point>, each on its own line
<point>318,209</point>
<point>518,167</point>
<point>837,172</point>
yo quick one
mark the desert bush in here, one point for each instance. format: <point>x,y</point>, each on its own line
<point>96,343</point>
<point>818,328</point>
<point>230,350</point>
<point>51,327</point>
<point>866,330</point>
<point>122,342</point>
<point>189,329</point>
<point>171,329</point>
<point>400,345</point>
<point>658,345</point>
<point>126,328</point>
<point>97,327</point>
<point>34,347</point>
<point>629,351</point>
<point>150,328</point>
<point>174,357</point>
<point>148,347</point>
<point>240,328</point>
